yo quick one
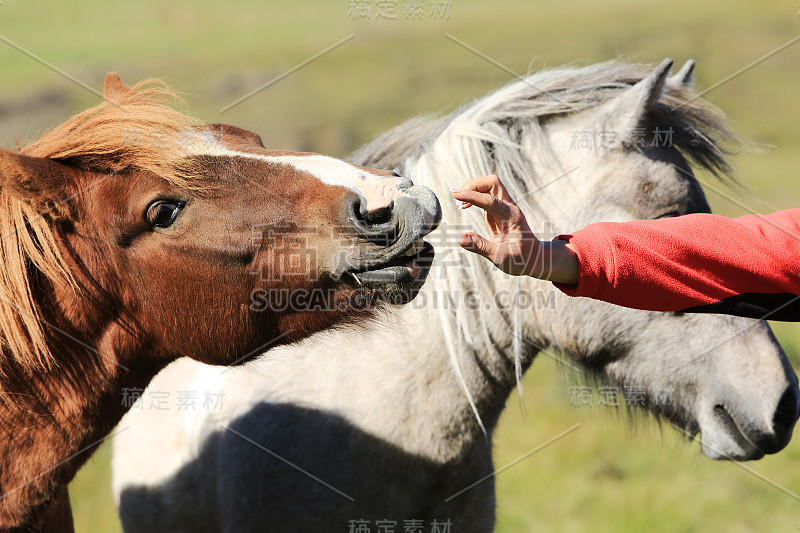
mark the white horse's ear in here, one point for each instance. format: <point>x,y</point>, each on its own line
<point>684,77</point>
<point>624,115</point>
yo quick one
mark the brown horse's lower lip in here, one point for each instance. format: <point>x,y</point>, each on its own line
<point>398,272</point>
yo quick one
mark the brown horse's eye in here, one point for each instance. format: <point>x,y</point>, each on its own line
<point>163,213</point>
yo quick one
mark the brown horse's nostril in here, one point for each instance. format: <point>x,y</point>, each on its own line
<point>359,211</point>
<point>378,226</point>
<point>376,216</point>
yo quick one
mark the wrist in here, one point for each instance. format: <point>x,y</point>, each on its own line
<point>555,261</point>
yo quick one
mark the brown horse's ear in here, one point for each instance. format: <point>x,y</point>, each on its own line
<point>37,181</point>
<point>113,88</point>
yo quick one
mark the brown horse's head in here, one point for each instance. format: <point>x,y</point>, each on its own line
<point>148,233</point>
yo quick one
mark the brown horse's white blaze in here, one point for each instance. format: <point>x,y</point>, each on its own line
<point>374,245</point>
<point>122,254</point>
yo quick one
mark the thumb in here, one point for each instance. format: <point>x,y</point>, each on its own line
<point>477,244</point>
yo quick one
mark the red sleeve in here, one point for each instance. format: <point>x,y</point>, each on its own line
<point>694,260</point>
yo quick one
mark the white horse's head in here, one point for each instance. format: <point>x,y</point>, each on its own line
<point>576,146</point>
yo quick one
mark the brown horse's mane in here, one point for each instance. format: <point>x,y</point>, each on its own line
<point>138,131</point>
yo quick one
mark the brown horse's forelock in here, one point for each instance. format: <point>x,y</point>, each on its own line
<point>139,131</point>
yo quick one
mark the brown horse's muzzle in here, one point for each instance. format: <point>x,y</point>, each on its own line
<point>390,253</point>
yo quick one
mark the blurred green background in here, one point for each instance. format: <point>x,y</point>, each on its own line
<point>610,475</point>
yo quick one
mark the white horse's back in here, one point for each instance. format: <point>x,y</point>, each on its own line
<point>328,446</point>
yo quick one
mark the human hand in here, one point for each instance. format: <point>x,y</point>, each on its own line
<point>514,248</point>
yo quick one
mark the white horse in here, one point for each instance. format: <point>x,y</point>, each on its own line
<point>391,422</point>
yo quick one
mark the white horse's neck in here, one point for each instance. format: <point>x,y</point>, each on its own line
<point>407,373</point>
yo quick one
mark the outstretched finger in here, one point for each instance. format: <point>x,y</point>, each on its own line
<point>484,184</point>
<point>486,201</point>
<point>490,184</point>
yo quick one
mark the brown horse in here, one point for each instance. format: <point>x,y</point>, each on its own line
<point>133,235</point>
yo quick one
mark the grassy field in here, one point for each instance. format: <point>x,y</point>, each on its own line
<point>607,476</point>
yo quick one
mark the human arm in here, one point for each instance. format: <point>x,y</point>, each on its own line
<point>749,266</point>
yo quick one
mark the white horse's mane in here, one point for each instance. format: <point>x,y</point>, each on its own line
<point>499,119</point>
<point>485,137</point>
